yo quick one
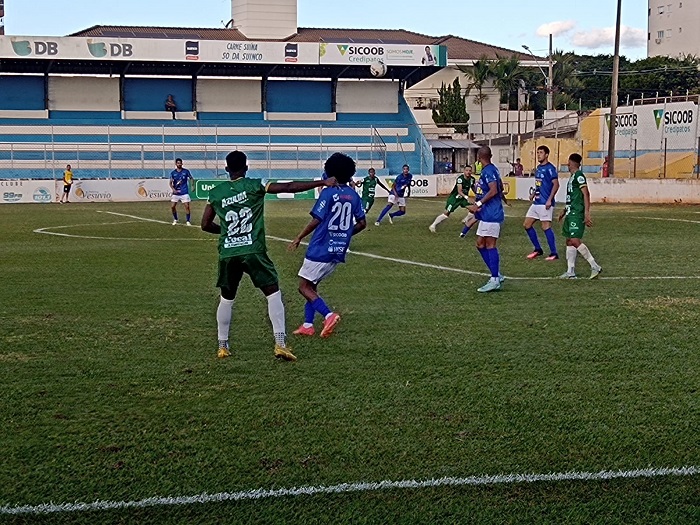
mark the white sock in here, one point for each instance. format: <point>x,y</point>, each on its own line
<point>275,309</point>
<point>223,318</point>
<point>439,219</point>
<point>571,259</point>
<point>586,254</point>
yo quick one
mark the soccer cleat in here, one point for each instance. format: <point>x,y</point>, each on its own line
<point>284,353</point>
<point>391,221</point>
<point>595,272</point>
<point>462,235</point>
<point>432,229</point>
<point>535,254</point>
<point>552,257</point>
<point>302,330</point>
<point>223,352</point>
<point>567,275</point>
<point>329,324</point>
<point>174,223</point>
<point>490,286</point>
<point>377,223</point>
<point>189,223</point>
<point>501,278</point>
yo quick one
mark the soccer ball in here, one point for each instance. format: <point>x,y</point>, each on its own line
<point>378,69</point>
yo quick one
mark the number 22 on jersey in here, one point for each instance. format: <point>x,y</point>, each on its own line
<point>238,228</point>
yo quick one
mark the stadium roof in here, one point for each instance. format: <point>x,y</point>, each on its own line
<point>458,49</point>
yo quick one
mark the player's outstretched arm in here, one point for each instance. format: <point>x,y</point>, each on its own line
<point>298,187</point>
<point>313,223</point>
<point>208,224</point>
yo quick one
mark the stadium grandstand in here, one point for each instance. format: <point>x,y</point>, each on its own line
<point>95,99</point>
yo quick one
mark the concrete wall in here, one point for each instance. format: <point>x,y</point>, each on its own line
<point>627,191</point>
<point>368,97</point>
<point>229,96</point>
<point>84,94</point>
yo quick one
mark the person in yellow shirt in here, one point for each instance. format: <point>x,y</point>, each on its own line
<point>67,183</point>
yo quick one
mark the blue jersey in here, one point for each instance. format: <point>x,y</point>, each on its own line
<point>401,183</point>
<point>335,208</point>
<point>179,180</point>
<point>544,183</point>
<point>492,210</point>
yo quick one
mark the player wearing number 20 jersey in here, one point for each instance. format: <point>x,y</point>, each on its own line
<point>335,218</point>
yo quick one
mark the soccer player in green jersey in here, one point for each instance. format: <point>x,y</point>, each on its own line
<point>458,197</point>
<point>369,188</point>
<point>576,216</point>
<point>240,204</point>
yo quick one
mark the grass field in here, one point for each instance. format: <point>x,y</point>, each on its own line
<point>110,389</point>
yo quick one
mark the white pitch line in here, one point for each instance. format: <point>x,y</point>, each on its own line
<point>345,488</point>
<point>382,257</point>
<point>670,220</point>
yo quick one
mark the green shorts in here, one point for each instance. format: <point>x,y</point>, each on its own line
<point>455,202</point>
<point>258,265</point>
<point>573,227</point>
<point>367,203</point>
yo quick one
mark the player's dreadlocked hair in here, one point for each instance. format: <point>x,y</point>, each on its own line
<point>341,167</point>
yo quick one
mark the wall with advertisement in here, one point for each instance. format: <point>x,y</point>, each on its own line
<point>117,190</point>
<point>390,54</point>
<point>421,186</point>
<point>26,191</point>
<point>220,51</point>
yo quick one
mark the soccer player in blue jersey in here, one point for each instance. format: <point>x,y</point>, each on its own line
<point>179,184</point>
<point>333,226</point>
<point>542,207</point>
<point>488,209</point>
<point>399,191</point>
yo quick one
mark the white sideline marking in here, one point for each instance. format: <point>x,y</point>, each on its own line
<point>345,488</point>
<point>372,255</point>
<point>670,220</point>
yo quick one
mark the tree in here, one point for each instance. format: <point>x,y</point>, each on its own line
<point>507,74</point>
<point>478,74</point>
<point>452,107</point>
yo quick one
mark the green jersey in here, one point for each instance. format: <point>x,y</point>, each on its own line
<point>575,205</point>
<point>466,183</point>
<point>369,187</point>
<point>240,204</point>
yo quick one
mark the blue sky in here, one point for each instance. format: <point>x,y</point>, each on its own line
<point>585,28</point>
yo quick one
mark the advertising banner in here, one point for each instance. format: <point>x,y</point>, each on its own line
<point>203,187</point>
<point>117,190</point>
<point>421,186</point>
<point>26,191</point>
<point>157,50</point>
<point>390,54</point>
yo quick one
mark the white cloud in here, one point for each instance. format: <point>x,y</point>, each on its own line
<point>556,28</point>
<point>630,37</point>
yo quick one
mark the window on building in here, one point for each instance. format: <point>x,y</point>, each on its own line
<point>659,34</point>
<point>680,29</point>
<point>668,8</point>
<point>667,33</point>
<point>661,10</point>
<point>680,4</point>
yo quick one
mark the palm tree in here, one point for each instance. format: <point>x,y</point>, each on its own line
<point>567,84</point>
<point>478,74</point>
<point>507,74</point>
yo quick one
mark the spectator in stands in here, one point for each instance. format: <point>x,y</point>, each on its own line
<point>67,183</point>
<point>170,105</point>
<point>448,165</point>
<point>517,168</point>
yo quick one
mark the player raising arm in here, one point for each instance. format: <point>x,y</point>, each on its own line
<point>333,228</point>
<point>576,216</point>
<point>239,205</point>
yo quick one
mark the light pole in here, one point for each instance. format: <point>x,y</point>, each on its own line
<point>613,95</point>
<point>548,78</point>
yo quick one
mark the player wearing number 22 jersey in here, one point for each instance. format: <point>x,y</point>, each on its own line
<point>335,218</point>
<point>239,205</point>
